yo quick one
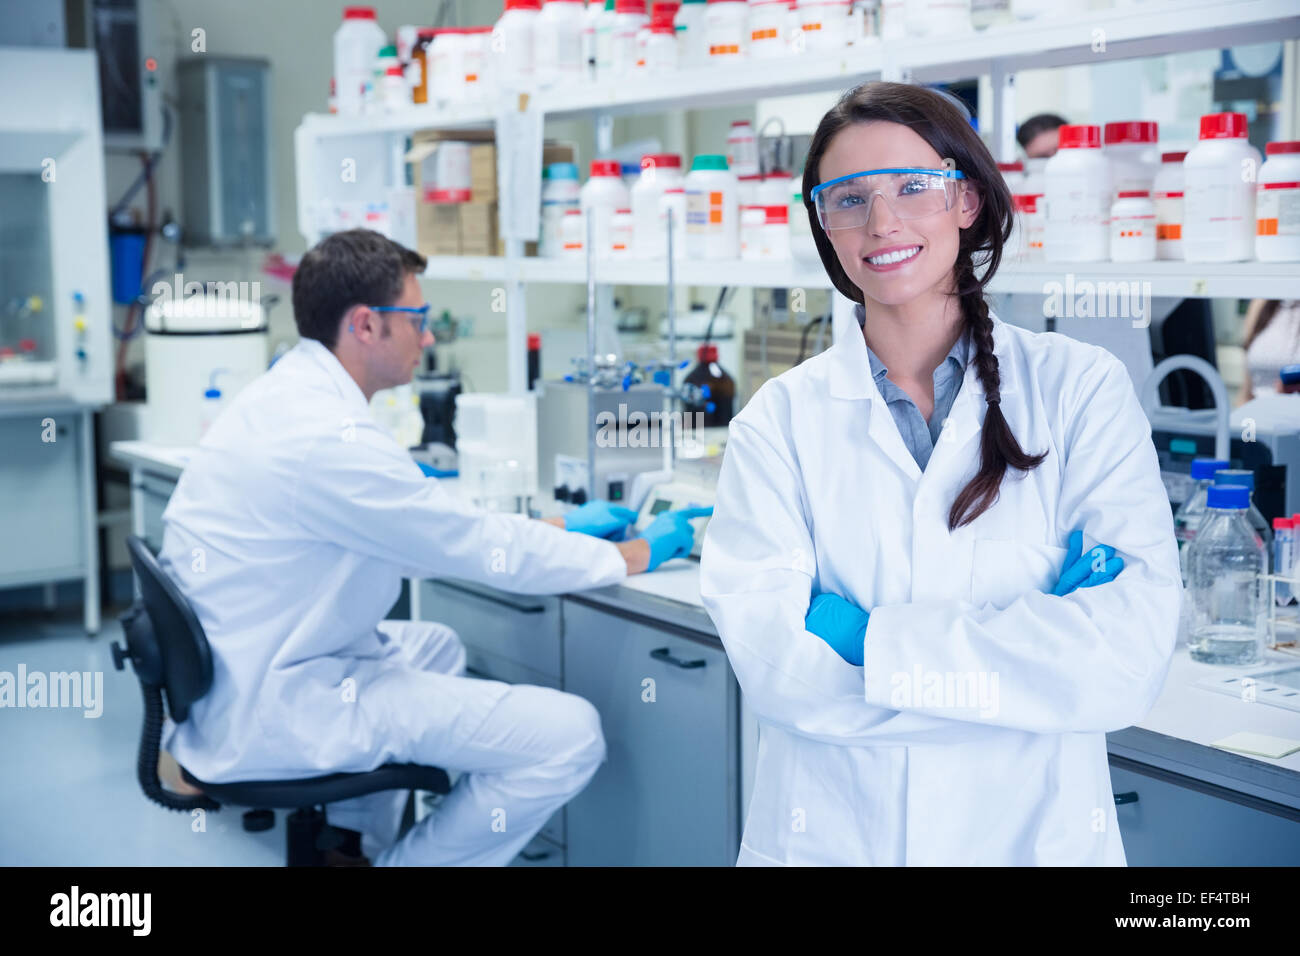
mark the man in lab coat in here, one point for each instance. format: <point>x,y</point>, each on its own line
<point>290,532</point>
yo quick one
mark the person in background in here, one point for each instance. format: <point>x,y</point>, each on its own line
<point>1038,135</point>
<point>1272,341</point>
<point>290,532</point>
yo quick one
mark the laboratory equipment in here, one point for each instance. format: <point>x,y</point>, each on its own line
<point>225,124</point>
<point>56,358</point>
<point>601,197</point>
<point>712,208</point>
<point>1263,436</point>
<point>629,427</point>
<point>356,43</point>
<point>1133,155</point>
<point>692,33</point>
<point>726,24</point>
<point>1226,561</point>
<point>1133,227</point>
<point>680,491</point>
<point>512,44</point>
<point>195,344</point>
<point>497,448</point>
<point>125,39</point>
<point>55,338</point>
<point>557,40</point>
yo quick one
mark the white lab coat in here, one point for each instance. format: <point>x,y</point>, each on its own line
<point>818,493</point>
<point>289,532</point>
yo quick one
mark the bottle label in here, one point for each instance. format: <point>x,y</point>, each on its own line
<point>1277,209</point>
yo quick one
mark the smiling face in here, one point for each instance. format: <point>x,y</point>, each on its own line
<point>896,261</point>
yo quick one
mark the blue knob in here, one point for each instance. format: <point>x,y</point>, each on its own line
<point>663,377</point>
<point>710,408</point>
<point>627,382</point>
<point>78,298</point>
<point>704,390</point>
<point>568,378</point>
<point>81,354</point>
<point>685,363</point>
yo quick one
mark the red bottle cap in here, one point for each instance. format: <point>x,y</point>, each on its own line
<point>661,161</point>
<point>1285,146</point>
<point>534,341</point>
<point>1223,126</point>
<point>1081,136</point>
<point>605,167</point>
<point>1134,194</point>
<point>1131,131</point>
<point>708,352</point>
<point>358,13</point>
<point>1016,167</point>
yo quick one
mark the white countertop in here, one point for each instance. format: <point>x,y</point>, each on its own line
<point>166,458</point>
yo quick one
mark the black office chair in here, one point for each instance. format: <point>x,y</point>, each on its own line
<point>169,651</point>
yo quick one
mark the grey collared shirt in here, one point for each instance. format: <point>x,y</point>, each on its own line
<point>918,435</point>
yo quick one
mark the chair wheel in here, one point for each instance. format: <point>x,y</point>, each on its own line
<point>255,821</point>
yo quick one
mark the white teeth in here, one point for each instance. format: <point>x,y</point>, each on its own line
<point>892,257</point>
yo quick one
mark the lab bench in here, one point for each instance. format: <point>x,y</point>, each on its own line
<point>680,741</point>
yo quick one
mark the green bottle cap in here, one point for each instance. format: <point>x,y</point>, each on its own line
<point>389,50</point>
<point>709,161</point>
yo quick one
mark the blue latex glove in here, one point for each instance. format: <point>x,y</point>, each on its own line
<point>841,624</point>
<point>671,535</point>
<point>599,519</point>
<point>1078,570</point>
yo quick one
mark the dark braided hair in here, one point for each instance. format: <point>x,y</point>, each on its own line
<point>936,120</point>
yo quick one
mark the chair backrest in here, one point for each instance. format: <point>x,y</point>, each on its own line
<point>186,659</point>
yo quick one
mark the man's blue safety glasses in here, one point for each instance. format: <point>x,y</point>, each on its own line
<point>910,193</point>
<point>422,312</point>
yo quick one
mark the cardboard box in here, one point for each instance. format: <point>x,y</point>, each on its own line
<point>437,229</point>
<point>483,173</point>
<point>478,229</point>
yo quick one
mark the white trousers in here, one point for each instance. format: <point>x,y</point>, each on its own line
<point>522,752</point>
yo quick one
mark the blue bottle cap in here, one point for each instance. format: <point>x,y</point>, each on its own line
<point>212,393</point>
<point>1203,469</point>
<point>562,171</point>
<point>1290,374</point>
<point>1236,476</point>
<point>1228,496</point>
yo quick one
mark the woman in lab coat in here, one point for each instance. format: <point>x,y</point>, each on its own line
<point>923,696</point>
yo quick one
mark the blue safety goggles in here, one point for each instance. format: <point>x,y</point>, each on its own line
<point>909,192</point>
<point>422,312</point>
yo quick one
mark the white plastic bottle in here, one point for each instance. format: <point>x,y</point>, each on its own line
<point>1031,224</point>
<point>396,95</point>
<point>1078,198</point>
<point>692,34</point>
<point>659,55</point>
<point>629,20</point>
<point>557,42</point>
<point>601,197</point>
<point>590,18</point>
<point>1277,204</point>
<point>573,235</point>
<point>767,36</point>
<point>620,234</point>
<point>892,23</point>
<point>712,210</point>
<point>742,149</point>
<point>928,18</point>
<point>1133,155</point>
<point>356,44</point>
<point>1013,174</point>
<point>604,39</point>
<point>826,24</point>
<point>1167,196</point>
<point>476,78</point>
<point>726,22</point>
<point>1133,227</point>
<point>560,193</point>
<point>660,172</point>
<point>512,44</point>
<point>1219,175</point>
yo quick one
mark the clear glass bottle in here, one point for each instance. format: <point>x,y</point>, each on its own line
<point>1246,478</point>
<point>1189,514</point>
<point>1225,561</point>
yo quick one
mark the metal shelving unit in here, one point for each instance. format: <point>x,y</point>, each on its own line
<point>376,144</point>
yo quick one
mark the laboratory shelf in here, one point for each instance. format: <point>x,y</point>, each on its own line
<point>1185,280</point>
<point>1149,29</point>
